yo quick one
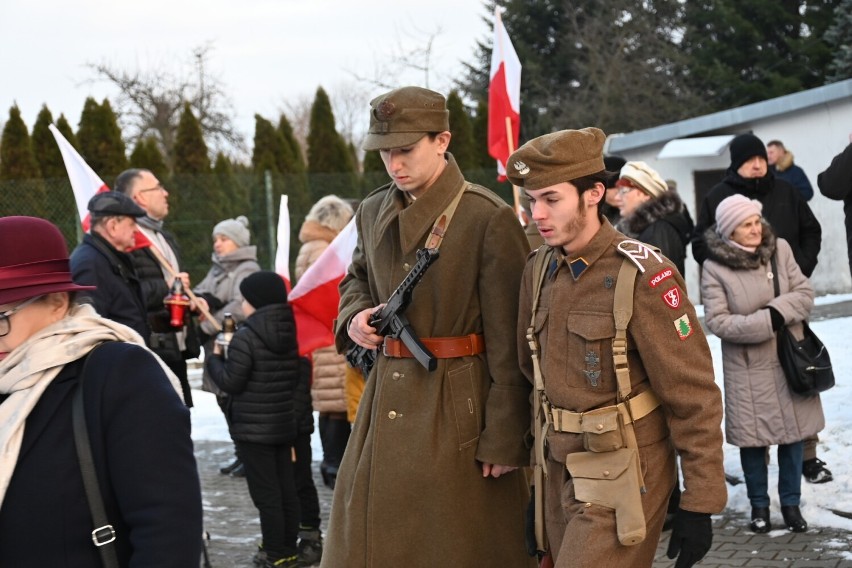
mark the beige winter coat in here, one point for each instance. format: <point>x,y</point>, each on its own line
<point>760,409</point>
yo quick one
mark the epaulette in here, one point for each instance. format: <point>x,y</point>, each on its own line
<point>641,254</point>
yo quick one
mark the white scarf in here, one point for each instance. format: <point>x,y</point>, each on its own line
<point>28,370</point>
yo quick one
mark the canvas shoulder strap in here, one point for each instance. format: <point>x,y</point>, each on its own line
<point>622,311</point>
<point>541,262</point>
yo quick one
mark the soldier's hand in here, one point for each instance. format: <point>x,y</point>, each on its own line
<point>692,535</point>
<point>495,470</point>
<point>361,332</point>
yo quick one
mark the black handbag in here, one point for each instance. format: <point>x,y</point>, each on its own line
<point>806,363</point>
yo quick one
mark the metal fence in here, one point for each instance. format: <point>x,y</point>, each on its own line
<point>190,217</point>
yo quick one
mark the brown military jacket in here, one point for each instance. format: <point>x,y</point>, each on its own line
<point>667,351</point>
<point>410,491</point>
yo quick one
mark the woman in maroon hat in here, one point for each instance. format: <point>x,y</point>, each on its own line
<point>138,427</point>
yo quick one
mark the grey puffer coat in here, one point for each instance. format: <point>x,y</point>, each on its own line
<point>760,409</point>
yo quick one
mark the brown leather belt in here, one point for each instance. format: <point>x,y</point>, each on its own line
<point>441,347</point>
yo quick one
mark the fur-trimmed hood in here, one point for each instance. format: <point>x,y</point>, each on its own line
<point>669,207</point>
<point>737,258</point>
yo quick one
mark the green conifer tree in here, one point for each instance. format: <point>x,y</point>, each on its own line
<point>195,197</point>
<point>147,155</point>
<point>480,136</point>
<point>839,38</point>
<point>461,143</point>
<point>291,145</point>
<point>65,129</point>
<point>375,174</point>
<point>231,188</point>
<point>100,140</point>
<point>329,162</point>
<point>45,148</point>
<point>21,186</point>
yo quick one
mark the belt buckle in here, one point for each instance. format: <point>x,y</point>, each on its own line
<point>103,535</point>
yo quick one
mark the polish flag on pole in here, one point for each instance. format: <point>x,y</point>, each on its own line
<point>504,100</point>
<point>84,181</point>
<point>282,255</point>
<point>315,297</point>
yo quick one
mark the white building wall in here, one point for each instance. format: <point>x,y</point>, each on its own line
<point>814,136</point>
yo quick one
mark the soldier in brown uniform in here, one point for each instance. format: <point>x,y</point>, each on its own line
<point>430,475</point>
<point>602,506</point>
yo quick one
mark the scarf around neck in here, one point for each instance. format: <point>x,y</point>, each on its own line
<point>28,370</point>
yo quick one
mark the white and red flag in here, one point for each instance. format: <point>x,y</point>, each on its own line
<point>84,181</point>
<point>282,255</point>
<point>315,297</point>
<point>504,98</point>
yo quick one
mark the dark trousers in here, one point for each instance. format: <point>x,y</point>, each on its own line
<point>305,487</point>
<point>271,484</point>
<point>334,433</point>
<point>789,474</point>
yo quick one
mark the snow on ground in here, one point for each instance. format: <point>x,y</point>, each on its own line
<point>835,446</point>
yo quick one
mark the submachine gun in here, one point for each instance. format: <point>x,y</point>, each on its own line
<point>389,321</point>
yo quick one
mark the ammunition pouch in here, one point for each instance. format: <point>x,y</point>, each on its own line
<point>611,479</point>
<point>602,430</point>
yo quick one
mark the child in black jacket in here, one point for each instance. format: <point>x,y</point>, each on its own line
<point>261,374</point>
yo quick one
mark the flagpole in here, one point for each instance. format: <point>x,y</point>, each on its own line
<point>509,142</point>
<point>168,266</point>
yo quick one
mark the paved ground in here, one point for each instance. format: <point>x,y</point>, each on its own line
<point>231,519</point>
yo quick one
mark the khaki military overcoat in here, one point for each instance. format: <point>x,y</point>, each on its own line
<point>667,352</point>
<point>410,491</point>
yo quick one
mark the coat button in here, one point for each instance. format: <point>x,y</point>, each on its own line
<point>392,415</point>
<point>397,375</point>
<point>606,473</point>
<point>599,427</point>
<point>587,505</point>
<point>406,267</point>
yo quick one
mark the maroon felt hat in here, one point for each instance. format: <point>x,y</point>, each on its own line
<point>33,260</point>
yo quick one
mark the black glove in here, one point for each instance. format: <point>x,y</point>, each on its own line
<point>776,317</point>
<point>692,535</point>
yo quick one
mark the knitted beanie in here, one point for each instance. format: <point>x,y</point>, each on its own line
<point>745,147</point>
<point>235,229</point>
<point>263,288</point>
<point>732,211</point>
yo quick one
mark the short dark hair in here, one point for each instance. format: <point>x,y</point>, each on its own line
<point>586,183</point>
<point>124,181</point>
<point>776,143</point>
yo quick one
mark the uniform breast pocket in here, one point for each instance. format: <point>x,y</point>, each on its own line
<point>589,342</point>
<point>465,404</point>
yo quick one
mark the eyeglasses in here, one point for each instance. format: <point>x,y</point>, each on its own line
<point>5,324</point>
<point>158,187</point>
<point>625,189</point>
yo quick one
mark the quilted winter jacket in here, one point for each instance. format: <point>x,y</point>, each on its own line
<point>261,375</point>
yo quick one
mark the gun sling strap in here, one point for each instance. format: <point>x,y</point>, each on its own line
<point>547,416</point>
<point>440,347</point>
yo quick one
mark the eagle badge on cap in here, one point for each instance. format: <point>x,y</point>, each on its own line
<point>385,110</point>
<point>522,168</point>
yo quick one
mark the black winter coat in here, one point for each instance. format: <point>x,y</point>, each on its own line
<point>836,183</point>
<point>261,375</point>
<point>664,223</point>
<point>95,262</point>
<point>140,435</point>
<point>788,214</point>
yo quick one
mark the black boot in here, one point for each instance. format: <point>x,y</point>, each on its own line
<point>815,471</point>
<point>239,471</point>
<point>310,546</point>
<point>230,467</point>
<point>760,520</point>
<point>793,518</point>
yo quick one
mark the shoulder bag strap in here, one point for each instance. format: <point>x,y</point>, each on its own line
<point>775,283</point>
<point>104,534</point>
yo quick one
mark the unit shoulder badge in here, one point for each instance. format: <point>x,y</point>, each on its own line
<point>637,251</point>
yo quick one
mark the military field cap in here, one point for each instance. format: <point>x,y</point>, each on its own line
<point>557,157</point>
<point>645,178</point>
<point>110,203</point>
<point>401,117</point>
